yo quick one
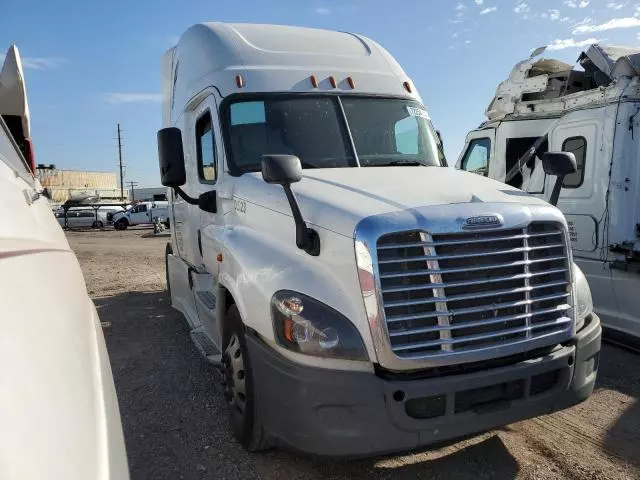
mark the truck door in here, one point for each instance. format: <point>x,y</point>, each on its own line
<point>478,152</point>
<point>579,134</point>
<point>139,214</point>
<point>206,227</point>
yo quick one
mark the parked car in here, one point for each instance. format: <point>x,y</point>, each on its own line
<point>87,216</point>
<point>59,416</point>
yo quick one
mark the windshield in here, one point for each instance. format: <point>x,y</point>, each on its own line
<point>385,131</point>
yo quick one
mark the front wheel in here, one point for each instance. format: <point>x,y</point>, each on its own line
<point>121,225</point>
<point>237,381</point>
<point>97,224</point>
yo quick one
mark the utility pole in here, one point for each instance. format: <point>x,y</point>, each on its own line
<point>120,160</point>
<point>133,195</point>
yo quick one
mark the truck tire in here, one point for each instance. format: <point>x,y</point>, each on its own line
<point>167,251</point>
<point>121,224</point>
<point>237,381</point>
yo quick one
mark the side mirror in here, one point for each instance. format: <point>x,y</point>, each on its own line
<point>281,169</point>
<point>285,170</point>
<point>207,202</point>
<point>559,164</point>
<point>171,157</point>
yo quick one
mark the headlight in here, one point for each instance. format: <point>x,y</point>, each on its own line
<point>307,326</point>
<point>584,302</point>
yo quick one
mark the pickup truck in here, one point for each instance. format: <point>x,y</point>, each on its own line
<point>143,213</point>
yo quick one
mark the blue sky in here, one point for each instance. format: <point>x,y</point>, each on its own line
<point>90,65</point>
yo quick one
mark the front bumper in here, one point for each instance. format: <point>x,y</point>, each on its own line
<point>343,413</point>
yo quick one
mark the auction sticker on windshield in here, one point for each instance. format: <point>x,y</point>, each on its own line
<point>417,112</point>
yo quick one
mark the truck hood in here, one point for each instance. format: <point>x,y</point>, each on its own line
<point>337,199</point>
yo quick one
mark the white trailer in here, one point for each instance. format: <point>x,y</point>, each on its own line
<point>593,113</point>
<point>58,406</point>
<point>359,296</point>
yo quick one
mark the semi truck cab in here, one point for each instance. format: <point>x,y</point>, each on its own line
<point>58,405</point>
<point>358,296</point>
<point>545,105</point>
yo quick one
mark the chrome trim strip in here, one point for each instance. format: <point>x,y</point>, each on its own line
<point>479,323</point>
<point>484,308</point>
<point>438,292</point>
<point>527,283</point>
<point>475,269</point>
<point>427,286</point>
<point>388,246</point>
<point>492,293</point>
<point>471,255</point>
<point>481,336</point>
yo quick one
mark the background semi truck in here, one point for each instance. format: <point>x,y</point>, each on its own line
<point>58,407</point>
<point>593,112</point>
<point>358,296</point>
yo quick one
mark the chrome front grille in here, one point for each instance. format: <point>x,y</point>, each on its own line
<point>470,291</point>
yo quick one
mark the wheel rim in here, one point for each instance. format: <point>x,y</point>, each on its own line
<point>235,387</point>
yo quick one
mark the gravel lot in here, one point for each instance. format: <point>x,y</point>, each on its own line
<point>174,416</point>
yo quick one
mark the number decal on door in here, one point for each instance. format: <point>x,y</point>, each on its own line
<point>240,206</point>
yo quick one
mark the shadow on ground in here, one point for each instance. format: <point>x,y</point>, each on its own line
<point>175,420</point>
<point>155,235</point>
<point>623,437</point>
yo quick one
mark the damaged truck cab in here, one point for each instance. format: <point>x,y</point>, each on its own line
<point>543,106</point>
<point>359,297</point>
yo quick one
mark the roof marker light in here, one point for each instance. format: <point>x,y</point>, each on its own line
<point>407,86</point>
<point>351,83</point>
<point>314,81</point>
<point>239,81</point>
<point>333,82</point>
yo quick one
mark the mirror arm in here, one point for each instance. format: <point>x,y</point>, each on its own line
<point>185,197</point>
<point>555,194</point>
<point>307,239</point>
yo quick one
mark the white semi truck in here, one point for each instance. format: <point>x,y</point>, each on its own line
<point>594,113</point>
<point>59,413</point>
<point>359,296</point>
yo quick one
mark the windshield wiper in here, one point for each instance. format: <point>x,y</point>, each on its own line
<point>308,165</point>
<point>394,163</point>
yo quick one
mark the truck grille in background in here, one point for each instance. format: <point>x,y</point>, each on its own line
<point>469,291</point>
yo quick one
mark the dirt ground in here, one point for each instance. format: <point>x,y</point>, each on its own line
<point>174,416</point>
